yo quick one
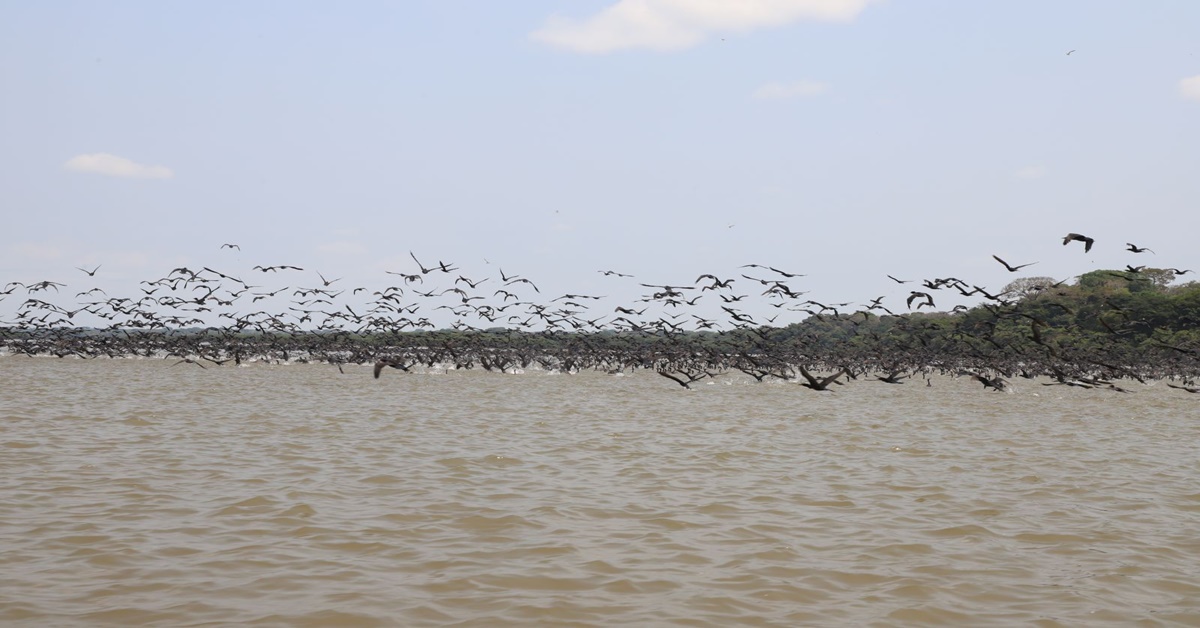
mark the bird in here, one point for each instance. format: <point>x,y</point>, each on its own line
<point>915,295</point>
<point>424,271</point>
<point>899,280</point>
<point>772,268</point>
<point>997,383</point>
<point>90,273</point>
<point>1012,269</point>
<point>892,378</point>
<point>231,246</point>
<point>1070,51</point>
<point>819,384</point>
<point>1136,249</point>
<point>1087,242</point>
<point>382,362</point>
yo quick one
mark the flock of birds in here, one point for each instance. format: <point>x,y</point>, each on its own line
<point>205,317</point>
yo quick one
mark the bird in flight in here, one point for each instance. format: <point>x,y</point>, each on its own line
<point>1069,52</point>
<point>1136,249</point>
<point>819,384</point>
<point>90,273</point>
<point>1012,269</point>
<point>231,246</point>
<point>385,362</point>
<point>1087,242</point>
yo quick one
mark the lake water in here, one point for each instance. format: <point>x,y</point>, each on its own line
<point>134,492</point>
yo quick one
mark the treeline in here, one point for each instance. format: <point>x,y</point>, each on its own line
<point>1128,323</point>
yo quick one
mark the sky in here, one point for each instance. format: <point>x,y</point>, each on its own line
<point>845,140</point>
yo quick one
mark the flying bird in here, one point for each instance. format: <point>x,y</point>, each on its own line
<point>384,362</point>
<point>1012,269</point>
<point>231,246</point>
<point>90,273</point>
<point>917,295</point>
<point>1087,242</point>
<point>1136,249</point>
<point>821,384</point>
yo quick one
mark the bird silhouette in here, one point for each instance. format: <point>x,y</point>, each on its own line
<point>819,384</point>
<point>1087,242</point>
<point>1011,268</point>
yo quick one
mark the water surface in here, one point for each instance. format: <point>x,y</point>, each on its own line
<point>137,492</point>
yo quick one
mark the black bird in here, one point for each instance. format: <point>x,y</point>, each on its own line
<point>1012,269</point>
<point>424,271</point>
<point>407,278</point>
<point>997,383</point>
<point>892,378</point>
<point>772,268</point>
<point>90,273</point>
<point>819,384</point>
<point>1087,242</point>
<point>231,246</point>
<point>1136,249</point>
<point>915,295</point>
<point>382,362</point>
<point>899,280</point>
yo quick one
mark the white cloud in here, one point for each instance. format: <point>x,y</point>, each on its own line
<point>113,166</point>
<point>778,90</point>
<point>1030,172</point>
<point>677,24</point>
<point>1189,88</point>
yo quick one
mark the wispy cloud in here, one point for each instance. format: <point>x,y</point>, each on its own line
<point>1030,172</point>
<point>778,90</point>
<point>1189,88</point>
<point>113,166</point>
<point>666,25</point>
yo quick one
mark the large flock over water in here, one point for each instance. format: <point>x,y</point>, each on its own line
<point>687,332</point>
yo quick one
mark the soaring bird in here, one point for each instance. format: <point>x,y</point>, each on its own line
<point>1136,249</point>
<point>1012,269</point>
<point>1087,242</point>
<point>90,273</point>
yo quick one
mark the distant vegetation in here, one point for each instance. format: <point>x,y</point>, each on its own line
<point>1107,325</point>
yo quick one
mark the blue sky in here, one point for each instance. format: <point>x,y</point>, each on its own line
<point>842,139</point>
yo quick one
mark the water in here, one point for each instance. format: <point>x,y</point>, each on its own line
<point>137,492</point>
